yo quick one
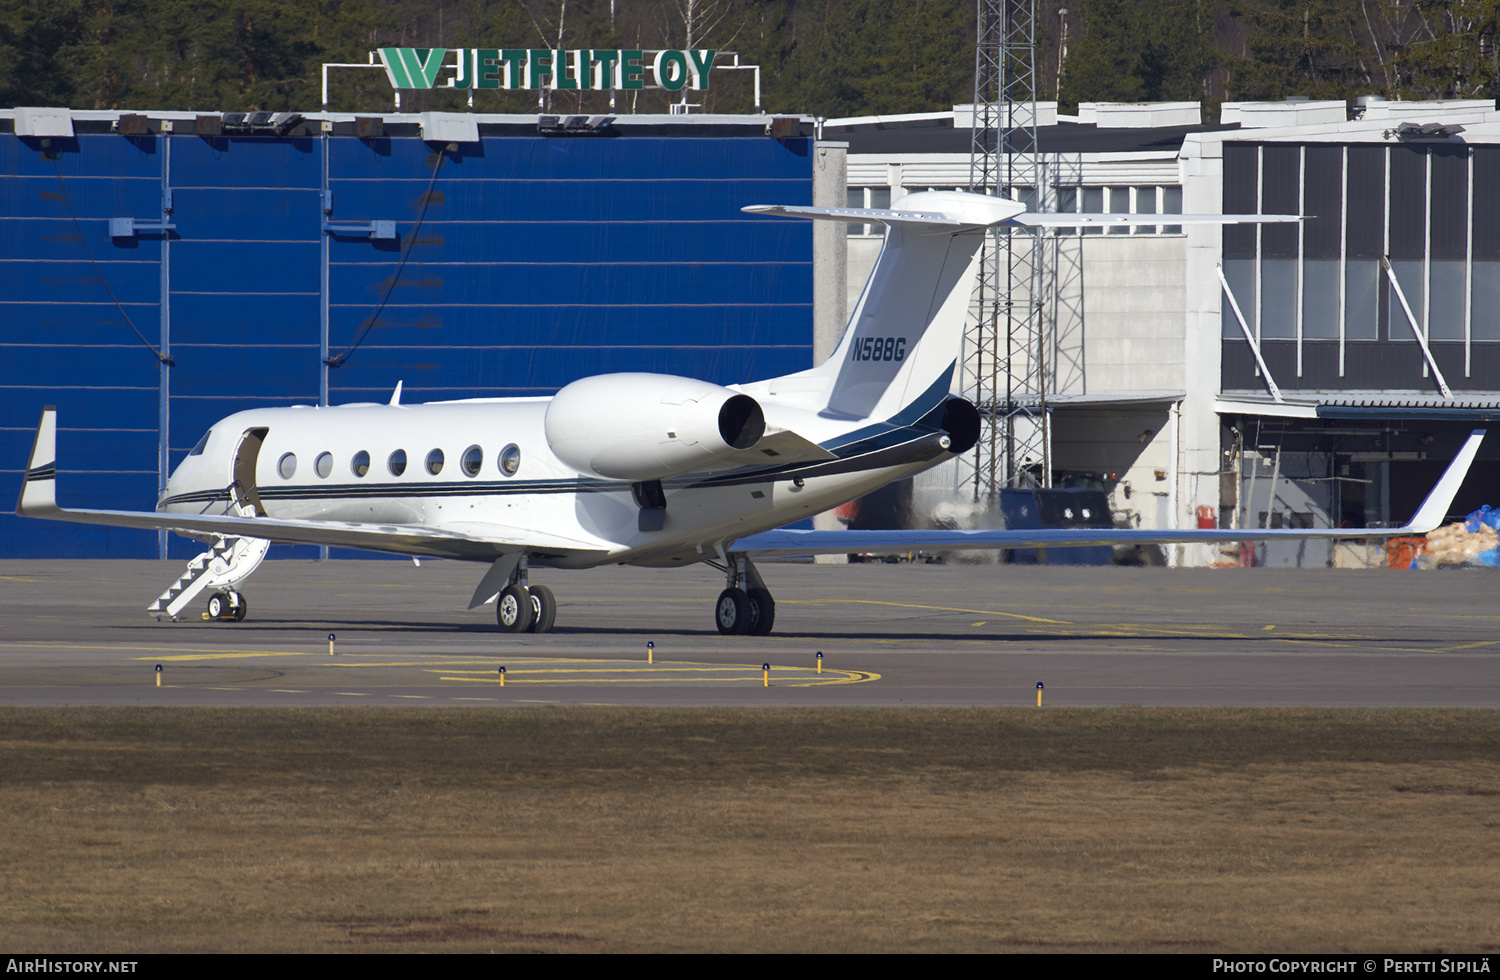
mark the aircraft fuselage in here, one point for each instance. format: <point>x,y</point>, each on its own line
<point>487,463</point>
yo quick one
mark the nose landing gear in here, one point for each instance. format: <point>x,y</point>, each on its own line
<point>227,606</point>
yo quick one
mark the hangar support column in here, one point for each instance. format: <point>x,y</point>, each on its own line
<point>830,249</point>
<point>830,276</point>
<point>1199,450</point>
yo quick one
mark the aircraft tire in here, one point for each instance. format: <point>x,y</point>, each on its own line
<point>513,610</point>
<point>734,612</point>
<point>543,609</point>
<point>764,609</point>
<point>241,607</point>
<point>217,603</point>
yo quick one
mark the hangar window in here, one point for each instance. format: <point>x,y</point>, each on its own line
<point>472,461</point>
<point>510,459</point>
<point>435,462</point>
<point>397,462</point>
<point>360,464</point>
<point>867,197</point>
<point>324,465</point>
<point>198,449</point>
<point>287,465</point>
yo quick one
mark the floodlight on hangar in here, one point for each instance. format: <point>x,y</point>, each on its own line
<point>574,125</point>
<point>258,123</point>
<point>1407,132</point>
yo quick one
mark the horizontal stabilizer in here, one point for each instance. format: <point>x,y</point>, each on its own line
<point>939,209</point>
<point>882,215</point>
<point>1036,219</point>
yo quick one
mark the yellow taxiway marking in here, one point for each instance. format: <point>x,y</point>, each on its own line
<point>228,656</point>
<point>17,578</point>
<point>178,653</point>
<point>418,697</point>
<point>477,659</point>
<point>1470,646</point>
<point>649,674</point>
<point>278,690</point>
<point>352,694</point>
<point>918,605</point>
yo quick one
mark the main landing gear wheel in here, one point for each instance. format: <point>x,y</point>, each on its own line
<point>733,611</point>
<point>513,610</point>
<point>543,609</point>
<point>764,609</point>
<point>745,607</point>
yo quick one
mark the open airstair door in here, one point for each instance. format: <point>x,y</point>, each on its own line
<point>246,499</point>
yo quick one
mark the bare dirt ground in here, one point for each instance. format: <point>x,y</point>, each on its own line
<point>571,829</point>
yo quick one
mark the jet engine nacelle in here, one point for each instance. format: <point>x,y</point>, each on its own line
<point>649,426</point>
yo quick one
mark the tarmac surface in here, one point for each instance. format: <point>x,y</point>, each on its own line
<point>77,633</point>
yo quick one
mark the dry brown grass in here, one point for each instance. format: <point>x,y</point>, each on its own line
<point>593,829</point>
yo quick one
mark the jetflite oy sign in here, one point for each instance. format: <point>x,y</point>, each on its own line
<point>582,69</point>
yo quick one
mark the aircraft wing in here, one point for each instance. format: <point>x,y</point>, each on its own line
<point>1429,516</point>
<point>469,542</point>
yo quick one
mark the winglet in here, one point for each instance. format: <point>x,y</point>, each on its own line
<point>39,488</point>
<point>1435,508</point>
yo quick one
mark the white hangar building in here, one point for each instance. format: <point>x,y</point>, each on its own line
<point>1367,340</point>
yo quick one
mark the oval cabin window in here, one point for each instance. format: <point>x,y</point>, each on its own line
<point>510,459</point>
<point>472,460</point>
<point>360,464</point>
<point>397,462</point>
<point>324,465</point>
<point>287,465</point>
<point>435,462</point>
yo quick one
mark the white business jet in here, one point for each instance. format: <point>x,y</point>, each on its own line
<point>642,469</point>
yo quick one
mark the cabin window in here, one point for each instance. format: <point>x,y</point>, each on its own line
<point>397,462</point>
<point>287,465</point>
<point>360,464</point>
<point>324,465</point>
<point>510,459</point>
<point>435,462</point>
<point>472,460</point>
<point>198,449</point>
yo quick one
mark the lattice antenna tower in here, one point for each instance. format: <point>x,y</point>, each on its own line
<point>1005,350</point>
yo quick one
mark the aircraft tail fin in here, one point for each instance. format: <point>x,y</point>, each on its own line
<point>39,487</point>
<point>905,334</point>
<point>906,331</point>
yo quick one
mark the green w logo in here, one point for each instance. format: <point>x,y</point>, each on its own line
<point>413,67</point>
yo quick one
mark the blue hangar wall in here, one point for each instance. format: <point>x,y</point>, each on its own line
<point>519,263</point>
